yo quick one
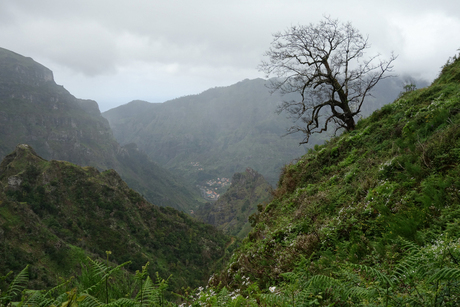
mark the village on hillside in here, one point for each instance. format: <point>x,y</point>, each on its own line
<point>213,187</point>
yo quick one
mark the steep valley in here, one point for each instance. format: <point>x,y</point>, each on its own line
<point>366,218</point>
<point>224,130</point>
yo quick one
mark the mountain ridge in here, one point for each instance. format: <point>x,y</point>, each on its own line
<point>36,111</point>
<point>215,128</point>
<point>54,213</point>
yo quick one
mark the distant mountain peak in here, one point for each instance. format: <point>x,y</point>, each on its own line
<point>15,68</point>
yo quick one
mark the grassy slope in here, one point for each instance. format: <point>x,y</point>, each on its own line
<point>396,176</point>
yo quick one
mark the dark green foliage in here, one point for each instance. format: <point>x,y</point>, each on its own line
<point>100,283</point>
<point>53,213</point>
<point>11,290</point>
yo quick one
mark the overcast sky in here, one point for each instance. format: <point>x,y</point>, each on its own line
<point>115,51</point>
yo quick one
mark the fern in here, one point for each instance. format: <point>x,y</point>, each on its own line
<point>60,299</point>
<point>18,283</point>
<point>222,297</point>
<point>89,301</point>
<point>409,246</point>
<point>275,299</point>
<point>445,274</point>
<point>44,298</point>
<point>100,273</point>
<point>122,302</point>
<point>147,293</point>
<point>152,294</point>
<point>361,293</point>
<point>381,277</point>
<point>409,268</point>
<point>36,298</point>
<point>323,281</point>
<point>98,268</point>
<point>15,287</point>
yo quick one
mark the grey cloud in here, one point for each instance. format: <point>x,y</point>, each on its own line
<point>202,43</point>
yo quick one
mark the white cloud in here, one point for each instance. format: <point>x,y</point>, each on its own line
<point>425,41</point>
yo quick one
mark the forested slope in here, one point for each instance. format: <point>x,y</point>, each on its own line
<point>54,213</point>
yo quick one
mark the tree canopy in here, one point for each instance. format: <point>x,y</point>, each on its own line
<point>325,64</point>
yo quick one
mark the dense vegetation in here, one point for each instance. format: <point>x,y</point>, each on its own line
<point>54,213</point>
<point>370,218</point>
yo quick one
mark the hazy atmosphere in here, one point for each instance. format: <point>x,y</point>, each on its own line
<point>117,51</point>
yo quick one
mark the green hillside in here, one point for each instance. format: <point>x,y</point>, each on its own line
<point>53,214</point>
<point>371,218</point>
<point>35,110</point>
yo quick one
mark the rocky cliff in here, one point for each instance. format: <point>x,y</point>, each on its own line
<point>36,111</point>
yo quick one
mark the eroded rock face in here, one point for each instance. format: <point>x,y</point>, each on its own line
<point>16,69</point>
<point>37,111</point>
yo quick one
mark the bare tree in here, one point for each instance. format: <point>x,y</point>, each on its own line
<point>324,64</point>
